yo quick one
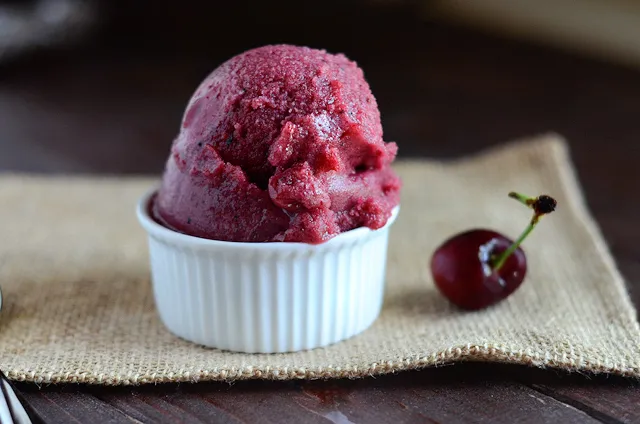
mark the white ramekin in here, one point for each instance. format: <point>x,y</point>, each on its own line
<point>266,297</point>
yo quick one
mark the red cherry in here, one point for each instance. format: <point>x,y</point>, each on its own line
<point>463,273</point>
<point>478,268</point>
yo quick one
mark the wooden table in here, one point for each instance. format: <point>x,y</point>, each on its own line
<point>443,92</point>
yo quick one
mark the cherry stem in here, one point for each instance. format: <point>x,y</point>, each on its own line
<point>525,200</point>
<point>541,206</point>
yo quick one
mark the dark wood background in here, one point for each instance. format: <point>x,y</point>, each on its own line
<point>113,103</point>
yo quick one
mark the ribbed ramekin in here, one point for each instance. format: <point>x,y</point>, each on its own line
<point>266,297</point>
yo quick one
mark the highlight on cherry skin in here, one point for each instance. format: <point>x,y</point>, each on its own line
<point>478,268</point>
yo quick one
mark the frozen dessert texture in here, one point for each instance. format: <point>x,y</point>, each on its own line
<point>279,143</point>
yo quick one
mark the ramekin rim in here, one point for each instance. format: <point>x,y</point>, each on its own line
<point>153,228</point>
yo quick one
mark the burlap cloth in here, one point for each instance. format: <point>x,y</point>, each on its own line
<point>79,308</point>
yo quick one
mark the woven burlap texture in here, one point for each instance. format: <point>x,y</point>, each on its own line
<point>79,306</point>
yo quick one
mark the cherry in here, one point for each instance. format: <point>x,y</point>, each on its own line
<point>478,268</point>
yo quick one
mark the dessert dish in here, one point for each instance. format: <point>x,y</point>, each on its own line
<point>269,230</point>
<point>477,268</point>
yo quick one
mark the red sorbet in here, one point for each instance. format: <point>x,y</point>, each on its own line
<point>280,143</point>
